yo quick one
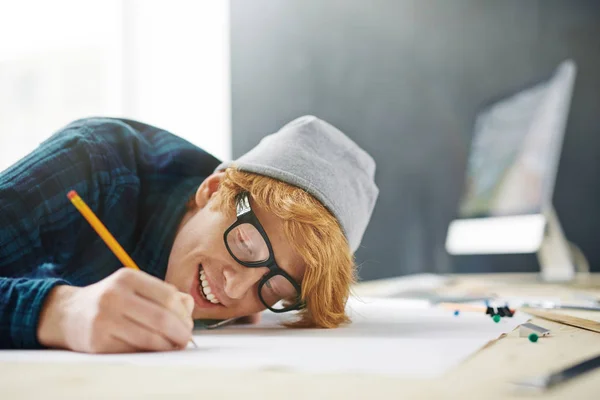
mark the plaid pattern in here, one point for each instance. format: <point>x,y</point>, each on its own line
<point>135,177</point>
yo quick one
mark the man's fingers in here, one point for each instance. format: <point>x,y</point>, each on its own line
<point>117,345</point>
<point>158,319</point>
<point>188,303</point>
<point>152,288</point>
<point>140,337</point>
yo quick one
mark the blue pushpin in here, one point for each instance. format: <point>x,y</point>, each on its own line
<point>456,312</point>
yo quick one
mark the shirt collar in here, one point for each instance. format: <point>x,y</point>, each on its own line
<point>157,237</point>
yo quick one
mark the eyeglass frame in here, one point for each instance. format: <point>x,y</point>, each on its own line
<point>245,215</point>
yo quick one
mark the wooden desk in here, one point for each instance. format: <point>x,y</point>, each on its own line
<point>486,375</point>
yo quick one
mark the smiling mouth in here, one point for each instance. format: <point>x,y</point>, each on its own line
<point>204,287</point>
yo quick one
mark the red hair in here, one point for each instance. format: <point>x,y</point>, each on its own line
<point>313,232</point>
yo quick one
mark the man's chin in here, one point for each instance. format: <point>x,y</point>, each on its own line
<point>205,314</point>
<point>250,319</point>
<point>246,319</point>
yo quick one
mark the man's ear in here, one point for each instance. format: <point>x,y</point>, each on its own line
<point>207,189</point>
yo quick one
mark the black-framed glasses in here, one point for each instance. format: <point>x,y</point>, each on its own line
<point>249,245</point>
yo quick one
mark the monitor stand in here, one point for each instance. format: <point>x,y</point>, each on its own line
<point>554,255</point>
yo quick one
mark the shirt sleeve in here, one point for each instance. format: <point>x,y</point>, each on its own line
<point>21,301</point>
<point>39,228</point>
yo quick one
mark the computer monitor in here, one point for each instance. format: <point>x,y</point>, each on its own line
<point>506,205</point>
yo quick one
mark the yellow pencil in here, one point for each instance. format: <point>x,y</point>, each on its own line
<point>99,227</point>
<point>104,234</point>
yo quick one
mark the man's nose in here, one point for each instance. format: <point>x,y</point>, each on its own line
<point>239,280</point>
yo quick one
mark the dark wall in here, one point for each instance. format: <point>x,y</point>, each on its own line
<point>404,80</point>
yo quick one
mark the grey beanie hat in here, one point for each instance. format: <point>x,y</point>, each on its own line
<point>313,155</point>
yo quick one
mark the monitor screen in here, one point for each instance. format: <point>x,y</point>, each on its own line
<point>515,149</point>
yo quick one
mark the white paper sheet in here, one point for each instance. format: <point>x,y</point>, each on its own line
<point>387,336</point>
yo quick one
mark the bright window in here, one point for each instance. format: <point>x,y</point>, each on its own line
<point>162,62</point>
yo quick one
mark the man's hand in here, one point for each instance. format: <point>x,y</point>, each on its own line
<point>126,312</point>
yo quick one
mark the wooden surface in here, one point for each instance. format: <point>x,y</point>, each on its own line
<point>565,318</point>
<point>487,374</point>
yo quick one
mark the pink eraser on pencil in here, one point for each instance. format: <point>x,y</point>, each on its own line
<point>71,194</point>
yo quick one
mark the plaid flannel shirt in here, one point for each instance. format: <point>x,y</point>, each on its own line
<point>135,177</point>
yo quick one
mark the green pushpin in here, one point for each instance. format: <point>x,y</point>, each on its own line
<point>496,318</point>
<point>533,337</point>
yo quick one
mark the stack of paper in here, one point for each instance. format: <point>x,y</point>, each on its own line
<point>387,336</point>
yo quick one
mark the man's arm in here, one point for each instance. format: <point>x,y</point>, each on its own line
<point>20,303</point>
<point>37,232</point>
<point>40,231</point>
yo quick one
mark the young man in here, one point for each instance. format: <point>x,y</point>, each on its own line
<point>275,229</point>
